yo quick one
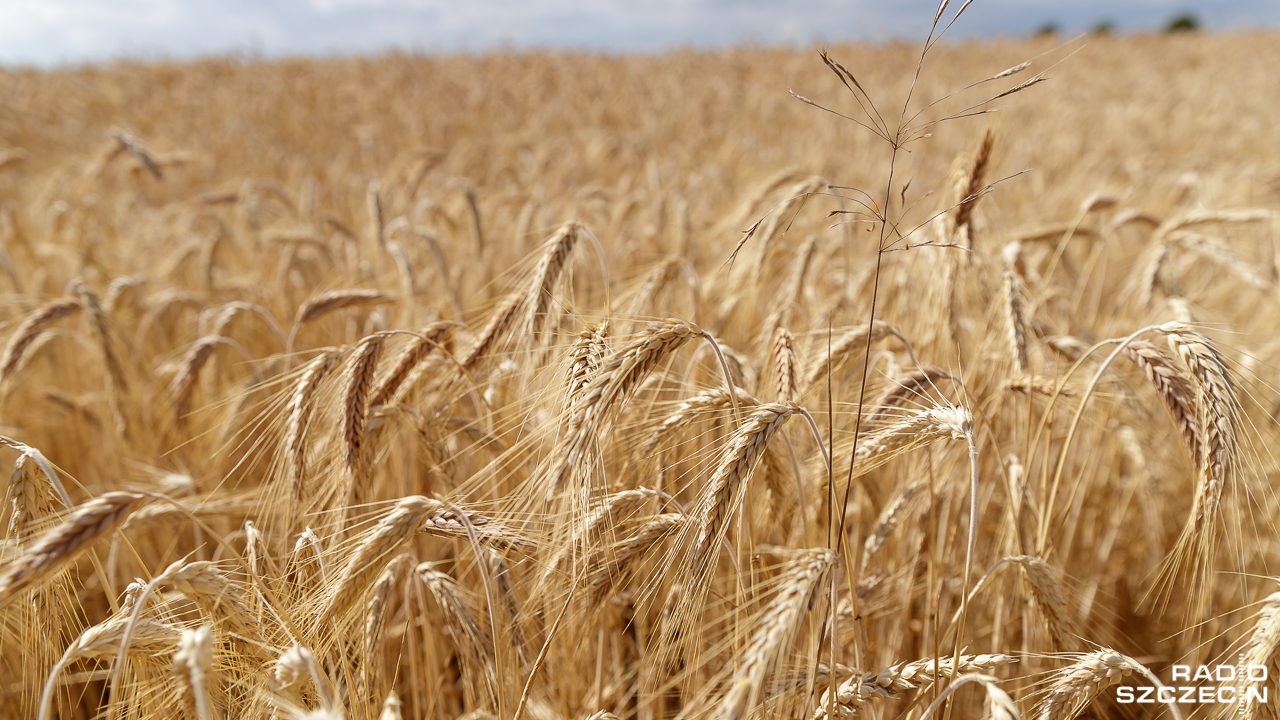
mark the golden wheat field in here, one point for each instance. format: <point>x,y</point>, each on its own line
<point>555,386</point>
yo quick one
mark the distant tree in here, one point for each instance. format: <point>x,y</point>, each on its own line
<point>1048,29</point>
<point>1104,27</point>
<point>1184,22</point>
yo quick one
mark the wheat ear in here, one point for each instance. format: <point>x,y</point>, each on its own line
<point>375,615</point>
<point>390,708</point>
<point>495,330</point>
<point>894,681</point>
<point>744,448</point>
<point>301,401</point>
<point>1050,599</point>
<point>373,207</point>
<point>87,524</point>
<point>905,388</point>
<point>778,624</point>
<point>213,591</point>
<point>972,186</point>
<point>844,348</point>
<point>1075,686</point>
<point>184,382</point>
<point>912,430</point>
<point>609,567</point>
<point>1219,412</point>
<point>192,665</point>
<point>356,381</point>
<point>782,366</point>
<point>433,336</point>
<point>131,144</point>
<point>334,300</point>
<point>585,358</point>
<point>405,520</point>
<point>612,510</point>
<point>654,281</point>
<point>889,519</point>
<point>555,253</point>
<point>146,637</point>
<point>102,333</point>
<point>1173,389</point>
<point>705,401</point>
<point>459,622</point>
<point>1262,649</point>
<point>27,497</point>
<point>717,502</point>
<point>615,381</point>
<point>293,668</point>
<point>1017,329</point>
<point>30,327</point>
<point>792,288</point>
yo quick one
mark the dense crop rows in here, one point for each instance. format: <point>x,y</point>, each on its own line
<point>427,387</point>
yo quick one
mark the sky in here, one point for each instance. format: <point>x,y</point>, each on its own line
<point>53,32</point>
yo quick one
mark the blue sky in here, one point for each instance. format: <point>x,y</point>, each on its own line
<point>48,32</point>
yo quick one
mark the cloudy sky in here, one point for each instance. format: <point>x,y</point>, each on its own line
<point>48,32</point>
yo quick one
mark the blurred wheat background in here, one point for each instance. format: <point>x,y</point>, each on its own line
<point>399,387</point>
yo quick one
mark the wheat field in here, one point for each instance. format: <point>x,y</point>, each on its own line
<point>554,386</point>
